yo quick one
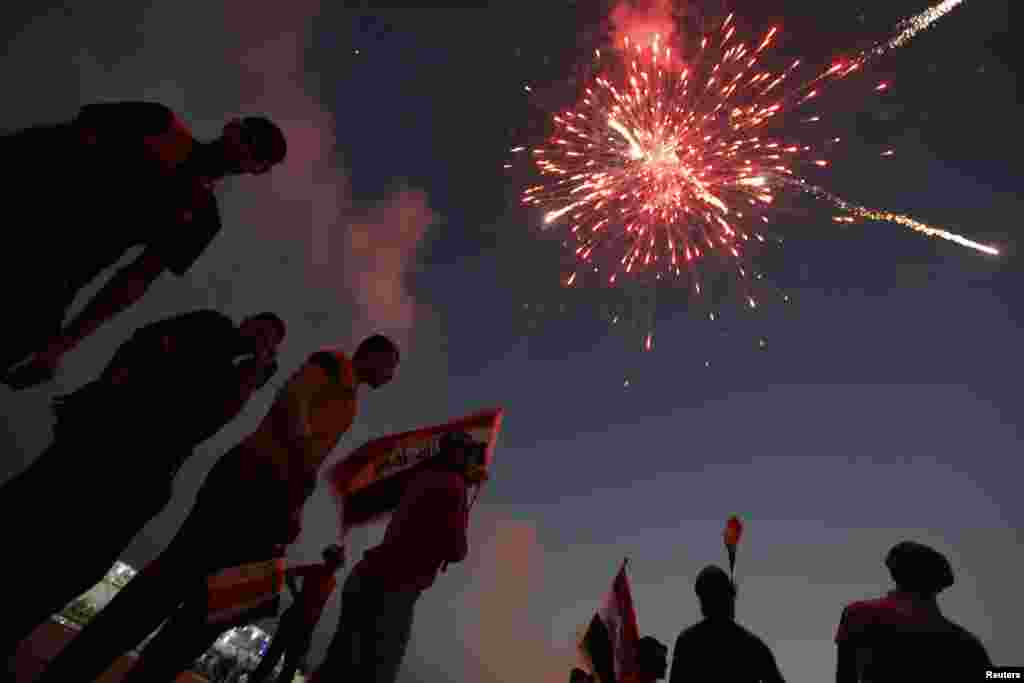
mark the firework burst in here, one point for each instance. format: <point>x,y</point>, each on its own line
<point>672,163</point>
<point>669,158</point>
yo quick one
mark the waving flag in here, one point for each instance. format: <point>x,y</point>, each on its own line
<point>609,644</point>
<point>732,534</point>
<point>368,484</point>
<point>236,590</point>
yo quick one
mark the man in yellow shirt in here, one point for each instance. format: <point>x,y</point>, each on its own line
<point>275,467</point>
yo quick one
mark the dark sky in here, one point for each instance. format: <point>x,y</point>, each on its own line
<point>884,407</point>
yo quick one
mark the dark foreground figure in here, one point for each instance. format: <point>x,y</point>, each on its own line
<point>717,648</point>
<point>119,442</point>
<point>904,636</point>
<point>118,176</point>
<point>268,477</point>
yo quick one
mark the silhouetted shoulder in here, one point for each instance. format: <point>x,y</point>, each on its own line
<point>857,616</point>
<point>970,647</point>
<point>136,119</point>
<point>335,363</point>
<point>199,323</point>
<point>205,317</point>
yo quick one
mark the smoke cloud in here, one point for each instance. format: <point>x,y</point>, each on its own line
<point>641,21</point>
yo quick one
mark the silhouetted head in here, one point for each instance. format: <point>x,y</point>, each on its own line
<point>334,556</point>
<point>253,144</point>
<point>916,568</point>
<point>262,333</point>
<point>652,657</point>
<point>716,592</point>
<point>579,676</point>
<point>459,452</point>
<point>376,360</point>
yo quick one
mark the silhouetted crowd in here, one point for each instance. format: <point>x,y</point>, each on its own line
<point>132,175</point>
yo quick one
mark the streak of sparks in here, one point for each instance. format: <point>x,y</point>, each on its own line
<point>865,213</point>
<point>910,27</point>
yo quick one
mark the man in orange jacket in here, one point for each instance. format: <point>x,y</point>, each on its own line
<point>275,466</point>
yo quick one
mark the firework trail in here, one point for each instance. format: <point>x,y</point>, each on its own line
<point>909,28</point>
<point>667,161</point>
<point>671,164</point>
<point>865,213</point>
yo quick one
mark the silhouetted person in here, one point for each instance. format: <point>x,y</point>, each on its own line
<point>267,479</point>
<point>652,660</point>
<point>717,648</point>
<point>578,675</point>
<point>652,665</point>
<point>295,630</point>
<point>118,176</point>
<point>119,442</point>
<point>904,635</point>
<point>426,531</point>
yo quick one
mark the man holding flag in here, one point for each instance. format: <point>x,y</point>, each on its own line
<point>427,496</point>
<point>275,467</point>
<point>295,628</point>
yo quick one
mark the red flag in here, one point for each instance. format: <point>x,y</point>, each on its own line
<point>235,590</point>
<point>368,483</point>
<point>610,643</point>
<point>732,534</point>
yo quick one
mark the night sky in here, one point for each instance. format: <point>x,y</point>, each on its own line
<point>882,407</point>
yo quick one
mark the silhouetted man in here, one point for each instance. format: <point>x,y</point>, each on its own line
<point>120,441</point>
<point>905,636</point>
<point>268,477</point>
<point>295,630</point>
<point>120,175</point>
<point>652,660</point>
<point>426,531</point>
<point>717,648</point>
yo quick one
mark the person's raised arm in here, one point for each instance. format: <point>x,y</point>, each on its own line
<point>126,287</point>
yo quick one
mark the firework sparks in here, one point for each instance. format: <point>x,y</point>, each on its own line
<point>659,166</point>
<point>860,212</point>
<point>672,158</point>
<point>663,164</point>
<point>909,28</point>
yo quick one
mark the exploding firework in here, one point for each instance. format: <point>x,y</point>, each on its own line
<point>673,163</point>
<point>669,158</point>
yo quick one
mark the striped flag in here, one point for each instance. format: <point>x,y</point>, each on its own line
<point>609,644</point>
<point>236,590</point>
<point>368,484</point>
